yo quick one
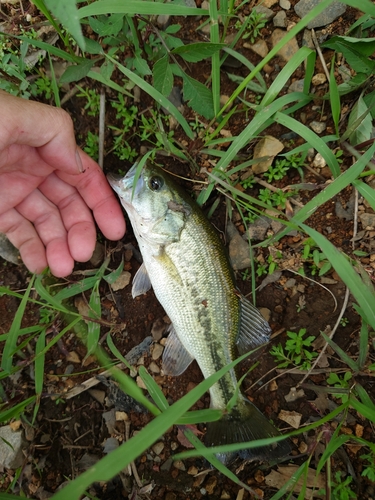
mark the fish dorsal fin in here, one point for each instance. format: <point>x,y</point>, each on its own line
<point>175,357</point>
<point>141,282</point>
<point>254,329</point>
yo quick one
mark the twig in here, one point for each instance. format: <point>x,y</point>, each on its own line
<point>72,92</point>
<point>132,463</point>
<point>101,127</point>
<point>317,46</point>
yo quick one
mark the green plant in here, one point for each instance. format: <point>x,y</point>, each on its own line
<point>92,145</point>
<point>276,198</point>
<point>343,383</point>
<point>254,23</point>
<point>369,470</point>
<point>93,100</point>
<point>344,321</point>
<point>297,351</point>
<point>341,488</point>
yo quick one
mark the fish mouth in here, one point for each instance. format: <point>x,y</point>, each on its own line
<point>119,183</point>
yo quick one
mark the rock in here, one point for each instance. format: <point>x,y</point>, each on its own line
<point>179,464</point>
<point>98,255</point>
<point>279,21</point>
<point>239,253</point>
<point>318,127</point>
<point>367,220</point>
<point>122,281</point>
<point>153,367</point>
<point>268,3</point>
<point>110,444</point>
<point>223,100</point>
<point>307,40</point>
<point>265,312</point>
<point>319,79</point>
<point>158,329</point>
<point>285,4</point>
<point>259,47</point>
<point>268,146</point>
<point>319,161</point>
<point>289,49</point>
<point>158,448</point>
<point>163,21</point>
<point>296,86</point>
<point>157,351</point>
<point>258,229</point>
<point>8,251</point>
<point>11,446</point>
<point>268,13</point>
<point>205,5</point>
<point>73,357</point>
<point>330,13</point>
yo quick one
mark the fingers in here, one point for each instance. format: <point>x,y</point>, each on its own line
<point>44,127</point>
<point>98,195</point>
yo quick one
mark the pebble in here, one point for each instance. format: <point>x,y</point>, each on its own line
<point>110,444</point>
<point>289,49</point>
<point>223,100</point>
<point>122,281</point>
<point>269,3</point>
<point>140,383</point>
<point>266,313</point>
<point>163,21</point>
<point>279,21</point>
<point>330,13</point>
<point>192,471</point>
<point>307,40</point>
<point>8,251</point>
<point>167,464</point>
<point>157,351</point>
<point>285,4</point>
<point>239,253</point>
<point>73,357</point>
<point>179,464</point>
<point>154,367</point>
<point>260,47</point>
<point>319,161</point>
<point>268,13</point>
<point>158,329</point>
<point>318,127</point>
<point>158,447</point>
<point>211,484</point>
<point>367,220</point>
<point>268,146</point>
<point>296,86</point>
<point>258,229</point>
<point>319,79</point>
<point>11,446</point>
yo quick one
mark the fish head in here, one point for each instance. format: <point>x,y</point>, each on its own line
<point>155,207</point>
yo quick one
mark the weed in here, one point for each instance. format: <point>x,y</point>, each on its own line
<point>341,489</point>
<point>276,198</point>
<point>43,86</point>
<point>93,100</point>
<point>297,351</point>
<point>343,383</point>
<point>92,145</point>
<point>255,22</point>
<point>369,470</point>
<point>344,321</point>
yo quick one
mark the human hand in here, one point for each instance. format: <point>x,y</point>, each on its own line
<point>49,189</point>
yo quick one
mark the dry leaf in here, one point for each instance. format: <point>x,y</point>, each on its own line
<point>277,479</point>
<point>294,394</point>
<point>291,417</point>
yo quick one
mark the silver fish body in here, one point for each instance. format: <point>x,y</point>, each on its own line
<point>186,264</point>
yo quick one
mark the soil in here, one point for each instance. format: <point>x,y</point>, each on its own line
<point>69,435</point>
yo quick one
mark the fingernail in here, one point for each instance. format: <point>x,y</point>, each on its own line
<point>79,162</point>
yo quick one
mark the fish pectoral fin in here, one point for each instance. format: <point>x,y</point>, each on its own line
<point>141,282</point>
<point>175,357</point>
<point>254,329</point>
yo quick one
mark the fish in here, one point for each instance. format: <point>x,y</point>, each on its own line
<point>186,264</point>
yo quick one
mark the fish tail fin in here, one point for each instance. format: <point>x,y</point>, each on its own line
<point>246,423</point>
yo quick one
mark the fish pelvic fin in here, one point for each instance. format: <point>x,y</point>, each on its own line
<point>246,423</point>
<point>254,329</point>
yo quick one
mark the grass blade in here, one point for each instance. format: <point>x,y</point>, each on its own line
<point>334,97</point>
<point>153,389</point>
<point>131,7</point>
<point>347,359</point>
<point>39,370</point>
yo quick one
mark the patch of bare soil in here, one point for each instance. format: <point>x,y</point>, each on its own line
<point>70,435</point>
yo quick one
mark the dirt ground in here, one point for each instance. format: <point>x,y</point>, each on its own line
<point>72,434</point>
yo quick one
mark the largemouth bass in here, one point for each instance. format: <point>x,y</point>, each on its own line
<point>186,264</point>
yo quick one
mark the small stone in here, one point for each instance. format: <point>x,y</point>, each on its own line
<point>140,383</point>
<point>225,495</point>
<point>223,100</point>
<point>163,21</point>
<point>289,49</point>
<point>258,229</point>
<point>98,395</point>
<point>330,13</point>
<point>121,416</point>
<point>157,351</point>
<point>285,4</point>
<point>157,330</point>
<point>279,21</point>
<point>239,253</point>
<point>265,312</point>
<point>205,5</point>
<point>268,13</point>
<point>259,476</point>
<point>98,255</point>
<point>319,161</point>
<point>272,386</point>
<point>296,86</point>
<point>167,464</point>
<point>110,444</point>
<point>307,40</point>
<point>73,357</point>
<point>158,448</point>
<point>268,3</point>
<point>319,79</point>
<point>122,281</point>
<point>359,430</point>
<point>268,146</point>
<point>294,394</point>
<point>318,127</point>
<point>192,471</point>
<point>367,220</point>
<point>211,484</point>
<point>179,464</point>
<point>302,448</point>
<point>260,47</point>
<point>8,251</point>
<point>154,367</point>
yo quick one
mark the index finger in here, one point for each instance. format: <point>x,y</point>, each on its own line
<point>92,185</point>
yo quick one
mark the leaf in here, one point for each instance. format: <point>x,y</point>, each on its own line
<point>356,51</point>
<point>136,7</point>
<point>359,123</point>
<point>334,97</point>
<point>111,25</point>
<point>198,96</point>
<point>67,13</point>
<point>141,66</point>
<point>163,76</point>
<point>76,73</point>
<point>195,52</point>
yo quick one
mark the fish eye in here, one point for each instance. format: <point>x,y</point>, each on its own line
<point>155,183</point>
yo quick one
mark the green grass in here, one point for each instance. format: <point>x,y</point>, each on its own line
<point>155,67</point>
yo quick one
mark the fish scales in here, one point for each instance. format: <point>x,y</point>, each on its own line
<point>185,263</point>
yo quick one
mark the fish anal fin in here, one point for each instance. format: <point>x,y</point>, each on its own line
<point>141,282</point>
<point>175,357</point>
<point>253,329</point>
<point>245,424</point>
